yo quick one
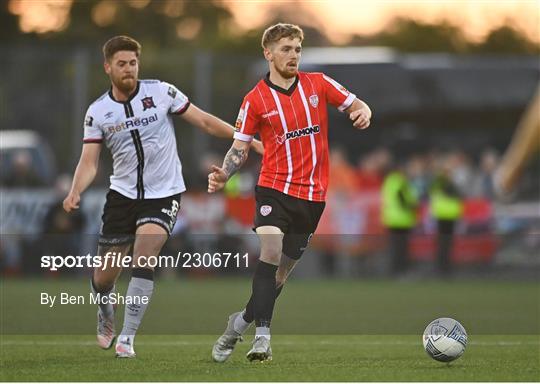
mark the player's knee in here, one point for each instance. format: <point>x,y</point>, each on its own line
<point>272,249</point>
<point>146,254</point>
<point>270,257</point>
<point>102,283</point>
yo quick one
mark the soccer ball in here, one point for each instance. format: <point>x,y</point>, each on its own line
<point>445,339</point>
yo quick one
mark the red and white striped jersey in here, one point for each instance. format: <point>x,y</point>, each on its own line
<point>293,126</point>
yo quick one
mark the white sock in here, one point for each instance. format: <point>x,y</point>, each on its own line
<point>138,287</point>
<point>262,332</point>
<point>240,325</point>
<point>126,339</point>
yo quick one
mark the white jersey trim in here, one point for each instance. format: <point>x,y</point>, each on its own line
<point>243,137</point>
<point>182,109</point>
<point>347,103</point>
<point>275,133</point>
<point>287,146</point>
<point>245,117</point>
<point>312,140</point>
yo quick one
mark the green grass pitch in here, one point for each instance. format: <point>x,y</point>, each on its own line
<point>323,331</point>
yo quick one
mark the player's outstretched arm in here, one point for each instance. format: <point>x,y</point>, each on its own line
<point>360,114</point>
<point>84,175</point>
<point>214,125</point>
<point>234,159</point>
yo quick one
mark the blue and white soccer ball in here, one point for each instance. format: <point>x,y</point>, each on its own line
<point>445,339</point>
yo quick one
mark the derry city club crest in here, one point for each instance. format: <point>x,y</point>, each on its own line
<point>314,100</point>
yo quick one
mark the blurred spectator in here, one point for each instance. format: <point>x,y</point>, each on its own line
<point>447,208</point>
<point>57,220</point>
<point>241,184</point>
<point>483,184</point>
<point>418,176</point>
<point>399,204</point>
<point>11,249</point>
<point>460,170</point>
<point>371,170</point>
<point>342,175</point>
<point>342,186</point>
<point>61,231</point>
<point>22,172</point>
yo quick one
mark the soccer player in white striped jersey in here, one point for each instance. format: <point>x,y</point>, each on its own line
<point>134,120</point>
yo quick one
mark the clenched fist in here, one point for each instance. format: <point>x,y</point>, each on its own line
<point>217,179</point>
<point>361,118</point>
<point>71,202</point>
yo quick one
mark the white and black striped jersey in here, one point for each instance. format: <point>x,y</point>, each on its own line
<point>139,133</point>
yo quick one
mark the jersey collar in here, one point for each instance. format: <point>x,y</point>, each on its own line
<point>287,92</point>
<point>129,98</point>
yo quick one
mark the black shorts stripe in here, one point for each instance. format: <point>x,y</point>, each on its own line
<point>140,165</point>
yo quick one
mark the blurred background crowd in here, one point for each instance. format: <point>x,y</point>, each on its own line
<point>411,196</point>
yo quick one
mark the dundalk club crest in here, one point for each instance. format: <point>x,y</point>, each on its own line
<point>148,103</point>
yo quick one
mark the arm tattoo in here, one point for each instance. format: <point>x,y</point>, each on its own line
<point>234,159</point>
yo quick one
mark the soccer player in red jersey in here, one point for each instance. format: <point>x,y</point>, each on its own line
<point>288,109</point>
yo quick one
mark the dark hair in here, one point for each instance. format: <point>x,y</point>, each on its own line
<point>278,31</point>
<point>120,43</point>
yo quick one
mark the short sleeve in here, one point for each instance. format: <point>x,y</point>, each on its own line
<point>92,130</point>
<point>336,94</point>
<point>177,101</point>
<point>247,122</point>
